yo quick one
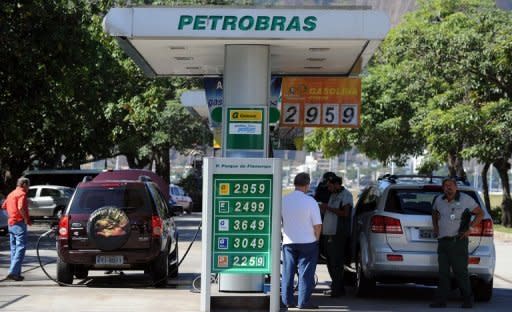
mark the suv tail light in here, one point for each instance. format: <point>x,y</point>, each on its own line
<point>64,227</point>
<point>388,225</point>
<point>156,225</point>
<point>484,228</point>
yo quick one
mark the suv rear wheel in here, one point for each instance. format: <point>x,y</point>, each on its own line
<point>64,272</point>
<point>173,257</point>
<point>81,272</point>
<point>364,286</point>
<point>482,290</point>
<point>160,270</point>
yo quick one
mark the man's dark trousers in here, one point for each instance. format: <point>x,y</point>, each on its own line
<point>453,252</point>
<point>335,252</point>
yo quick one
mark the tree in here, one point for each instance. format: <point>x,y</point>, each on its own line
<point>62,77</point>
<point>440,82</point>
<point>476,68</point>
<point>55,79</point>
<point>148,125</point>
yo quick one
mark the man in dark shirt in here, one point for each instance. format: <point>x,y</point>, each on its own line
<point>322,195</point>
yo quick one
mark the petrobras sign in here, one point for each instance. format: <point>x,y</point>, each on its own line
<point>246,23</point>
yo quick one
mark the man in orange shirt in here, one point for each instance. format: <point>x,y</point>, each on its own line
<point>16,204</point>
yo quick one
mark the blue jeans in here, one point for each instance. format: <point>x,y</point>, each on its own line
<point>301,258</point>
<point>18,240</point>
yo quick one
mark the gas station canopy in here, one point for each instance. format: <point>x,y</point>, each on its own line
<point>186,41</point>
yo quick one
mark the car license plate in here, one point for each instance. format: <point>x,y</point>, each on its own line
<point>427,234</point>
<point>109,260</point>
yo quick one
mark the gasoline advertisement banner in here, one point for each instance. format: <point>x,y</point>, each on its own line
<point>321,102</point>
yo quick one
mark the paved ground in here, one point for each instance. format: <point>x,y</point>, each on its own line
<point>130,292</point>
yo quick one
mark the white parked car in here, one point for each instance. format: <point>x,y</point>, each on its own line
<point>48,200</point>
<point>182,200</point>
<point>392,236</point>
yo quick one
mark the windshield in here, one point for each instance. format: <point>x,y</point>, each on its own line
<point>415,201</point>
<point>127,197</point>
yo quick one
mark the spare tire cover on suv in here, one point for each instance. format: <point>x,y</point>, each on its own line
<point>109,228</point>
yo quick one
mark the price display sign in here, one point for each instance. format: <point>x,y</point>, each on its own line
<point>321,102</point>
<point>242,223</point>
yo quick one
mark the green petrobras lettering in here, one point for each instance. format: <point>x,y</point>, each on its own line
<point>262,23</point>
<point>185,20</point>
<point>294,24</point>
<point>229,21</point>
<point>310,23</point>
<point>214,19</point>
<point>278,23</point>
<point>200,22</point>
<point>246,22</point>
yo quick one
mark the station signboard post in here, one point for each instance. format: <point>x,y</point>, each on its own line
<point>241,220</point>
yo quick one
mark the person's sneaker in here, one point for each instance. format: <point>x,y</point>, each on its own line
<point>438,305</point>
<point>334,294</point>
<point>16,278</point>
<point>288,306</point>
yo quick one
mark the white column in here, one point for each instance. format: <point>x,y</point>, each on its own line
<point>246,82</point>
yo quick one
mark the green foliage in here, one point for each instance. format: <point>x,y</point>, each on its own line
<point>332,142</point>
<point>495,215</point>
<point>441,81</point>
<point>147,125</point>
<point>69,93</point>
<point>501,228</point>
<point>55,77</point>
<point>429,165</point>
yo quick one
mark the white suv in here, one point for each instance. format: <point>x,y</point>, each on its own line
<point>393,241</point>
<point>182,200</point>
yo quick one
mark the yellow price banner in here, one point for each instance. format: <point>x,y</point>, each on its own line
<point>321,102</point>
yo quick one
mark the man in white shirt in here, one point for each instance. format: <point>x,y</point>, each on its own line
<point>302,225</point>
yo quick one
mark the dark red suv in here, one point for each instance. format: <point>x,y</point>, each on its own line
<point>123,225</point>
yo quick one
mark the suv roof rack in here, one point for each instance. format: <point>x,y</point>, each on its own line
<point>87,179</point>
<point>145,178</point>
<point>418,178</point>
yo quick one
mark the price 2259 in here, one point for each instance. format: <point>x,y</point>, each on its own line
<point>245,261</point>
